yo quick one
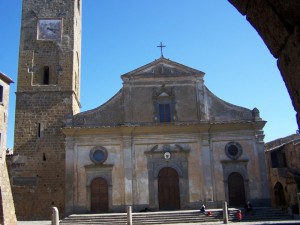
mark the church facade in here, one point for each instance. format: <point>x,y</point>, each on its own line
<point>164,142</point>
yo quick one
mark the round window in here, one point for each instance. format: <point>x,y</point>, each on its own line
<point>98,155</point>
<point>233,150</point>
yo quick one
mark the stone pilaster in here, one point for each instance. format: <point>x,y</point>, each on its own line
<point>207,169</point>
<point>263,169</point>
<point>128,176</point>
<point>70,176</point>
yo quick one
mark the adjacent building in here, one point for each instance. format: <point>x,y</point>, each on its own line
<point>283,157</point>
<point>7,209</point>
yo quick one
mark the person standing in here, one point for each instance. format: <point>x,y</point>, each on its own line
<point>239,215</point>
<point>202,209</point>
<point>248,208</point>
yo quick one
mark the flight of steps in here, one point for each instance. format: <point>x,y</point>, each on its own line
<point>161,217</point>
<point>169,217</point>
<point>261,214</point>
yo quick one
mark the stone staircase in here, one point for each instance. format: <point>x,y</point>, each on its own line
<point>260,214</point>
<point>173,217</point>
<point>161,217</point>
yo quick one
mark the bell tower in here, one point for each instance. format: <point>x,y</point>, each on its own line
<point>47,94</point>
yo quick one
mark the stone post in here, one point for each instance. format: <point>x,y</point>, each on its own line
<point>55,216</point>
<point>225,212</point>
<point>129,215</point>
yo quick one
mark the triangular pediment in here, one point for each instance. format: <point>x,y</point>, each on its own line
<point>163,67</point>
<point>164,94</point>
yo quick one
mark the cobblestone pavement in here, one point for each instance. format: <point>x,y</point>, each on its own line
<point>211,223</point>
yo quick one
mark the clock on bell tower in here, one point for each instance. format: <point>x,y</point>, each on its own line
<point>48,91</point>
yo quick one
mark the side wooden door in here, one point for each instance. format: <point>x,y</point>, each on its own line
<point>236,190</point>
<point>99,196</point>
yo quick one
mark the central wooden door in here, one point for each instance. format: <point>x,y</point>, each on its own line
<point>168,189</point>
<point>236,190</point>
<point>99,196</point>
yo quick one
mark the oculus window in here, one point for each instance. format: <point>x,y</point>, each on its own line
<point>233,150</point>
<point>98,154</point>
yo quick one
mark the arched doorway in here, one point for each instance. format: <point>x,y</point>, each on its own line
<point>236,189</point>
<point>279,195</point>
<point>168,189</point>
<point>99,195</point>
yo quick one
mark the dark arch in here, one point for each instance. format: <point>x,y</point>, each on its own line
<point>236,189</point>
<point>279,195</point>
<point>277,22</point>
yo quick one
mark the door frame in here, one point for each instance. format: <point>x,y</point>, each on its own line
<point>94,171</point>
<point>178,160</point>
<point>239,166</point>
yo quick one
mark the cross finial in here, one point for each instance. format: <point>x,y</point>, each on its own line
<point>161,46</point>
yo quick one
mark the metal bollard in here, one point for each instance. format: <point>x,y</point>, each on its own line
<point>129,215</point>
<point>55,216</point>
<point>225,213</point>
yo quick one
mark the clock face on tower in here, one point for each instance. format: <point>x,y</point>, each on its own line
<point>49,29</point>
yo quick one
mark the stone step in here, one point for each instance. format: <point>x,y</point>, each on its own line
<point>260,214</point>
<point>191,216</point>
<point>169,217</point>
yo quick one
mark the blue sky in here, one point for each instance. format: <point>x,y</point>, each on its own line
<point>211,36</point>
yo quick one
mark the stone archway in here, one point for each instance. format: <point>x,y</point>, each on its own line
<point>279,195</point>
<point>277,22</point>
